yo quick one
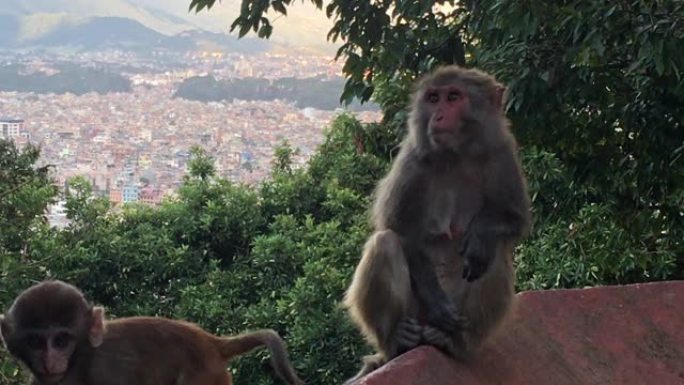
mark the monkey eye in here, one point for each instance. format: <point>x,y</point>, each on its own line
<point>454,95</point>
<point>35,342</point>
<point>61,340</point>
<point>432,97</point>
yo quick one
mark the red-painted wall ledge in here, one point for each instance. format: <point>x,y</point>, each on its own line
<point>623,335</point>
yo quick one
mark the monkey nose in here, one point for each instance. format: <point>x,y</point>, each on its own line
<point>51,368</point>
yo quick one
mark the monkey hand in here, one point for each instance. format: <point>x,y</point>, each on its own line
<point>408,334</point>
<point>477,251</point>
<point>446,317</point>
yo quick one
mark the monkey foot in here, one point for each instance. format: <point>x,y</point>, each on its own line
<point>450,344</point>
<point>370,363</point>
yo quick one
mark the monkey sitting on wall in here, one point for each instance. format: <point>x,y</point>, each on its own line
<point>64,340</point>
<point>439,268</point>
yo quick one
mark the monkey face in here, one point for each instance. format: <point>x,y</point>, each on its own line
<point>47,353</point>
<point>45,327</point>
<point>457,111</point>
<point>445,109</point>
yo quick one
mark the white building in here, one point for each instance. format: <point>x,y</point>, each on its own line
<point>12,128</point>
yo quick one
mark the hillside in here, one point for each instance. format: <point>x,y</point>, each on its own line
<point>80,9</point>
<point>313,92</point>
<point>95,33</point>
<point>23,22</point>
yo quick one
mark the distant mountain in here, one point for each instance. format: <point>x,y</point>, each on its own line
<point>304,28</point>
<point>99,32</point>
<point>316,92</point>
<point>78,9</point>
<point>70,78</point>
<point>95,33</point>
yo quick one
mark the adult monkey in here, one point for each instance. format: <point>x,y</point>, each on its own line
<point>439,267</point>
<point>64,340</point>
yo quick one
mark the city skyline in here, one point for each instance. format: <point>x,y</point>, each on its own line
<point>133,142</point>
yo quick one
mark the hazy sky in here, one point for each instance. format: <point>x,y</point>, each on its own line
<point>304,24</point>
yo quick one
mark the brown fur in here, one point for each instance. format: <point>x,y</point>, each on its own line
<point>439,267</point>
<point>128,351</point>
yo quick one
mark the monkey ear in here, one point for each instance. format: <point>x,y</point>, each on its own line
<point>97,326</point>
<point>498,96</point>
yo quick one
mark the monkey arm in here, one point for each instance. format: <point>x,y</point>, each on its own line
<point>398,201</point>
<point>441,312</point>
<point>505,215</point>
<point>506,211</point>
<point>424,278</point>
<point>501,222</point>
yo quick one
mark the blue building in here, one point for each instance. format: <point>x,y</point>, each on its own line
<point>130,193</point>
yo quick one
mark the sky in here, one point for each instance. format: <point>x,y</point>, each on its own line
<point>304,24</point>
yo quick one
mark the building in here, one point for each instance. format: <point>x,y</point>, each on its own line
<point>131,193</point>
<point>57,215</point>
<point>12,128</point>
<point>115,196</point>
<point>150,195</point>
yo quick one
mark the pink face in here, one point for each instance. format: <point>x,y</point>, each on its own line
<point>446,107</point>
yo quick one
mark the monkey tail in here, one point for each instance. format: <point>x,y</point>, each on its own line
<point>230,347</point>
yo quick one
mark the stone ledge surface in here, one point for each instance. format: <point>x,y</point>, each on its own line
<point>628,335</point>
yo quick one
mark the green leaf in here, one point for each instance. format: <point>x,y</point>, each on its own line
<point>367,93</point>
<point>330,9</point>
<point>279,7</point>
<point>544,76</point>
<point>659,57</point>
<point>244,30</point>
<point>200,4</point>
<point>265,31</point>
<point>609,12</point>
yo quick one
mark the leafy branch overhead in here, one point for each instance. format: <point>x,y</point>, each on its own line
<point>392,40</point>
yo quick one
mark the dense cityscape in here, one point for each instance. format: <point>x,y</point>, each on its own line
<point>134,146</point>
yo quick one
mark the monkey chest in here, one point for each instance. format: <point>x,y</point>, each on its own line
<point>449,208</point>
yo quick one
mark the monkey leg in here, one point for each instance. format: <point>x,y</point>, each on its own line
<point>486,302</point>
<point>408,334</point>
<point>380,300</point>
<point>370,363</point>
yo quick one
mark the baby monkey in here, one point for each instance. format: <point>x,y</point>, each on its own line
<point>64,340</point>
